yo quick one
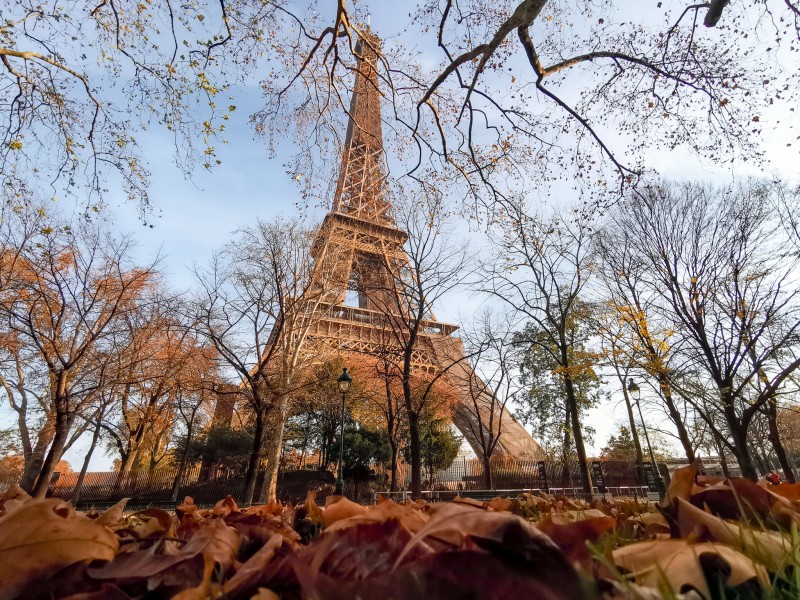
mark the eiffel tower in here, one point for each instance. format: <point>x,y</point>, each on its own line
<point>359,239</point>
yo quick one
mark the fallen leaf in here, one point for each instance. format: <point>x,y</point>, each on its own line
<point>250,574</point>
<point>340,508</point>
<point>768,547</point>
<point>681,565</point>
<point>572,538</point>
<point>412,517</point>
<point>41,536</point>
<point>113,514</point>
<point>225,507</point>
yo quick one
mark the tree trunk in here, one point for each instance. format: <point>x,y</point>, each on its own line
<point>775,440</point>
<point>577,434</point>
<point>676,418</point>
<point>76,493</point>
<point>176,484</point>
<point>33,462</point>
<point>635,435</point>
<point>254,462</point>
<point>53,456</point>
<point>393,446</point>
<point>488,479</point>
<point>742,452</point>
<point>269,487</point>
<point>723,462</point>
<point>416,458</point>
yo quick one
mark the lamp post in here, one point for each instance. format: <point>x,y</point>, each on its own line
<point>636,392</point>
<point>344,383</point>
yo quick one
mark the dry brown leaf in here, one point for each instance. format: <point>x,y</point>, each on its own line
<point>265,594</point>
<point>790,491</point>
<point>499,503</point>
<point>216,542</point>
<point>653,523</point>
<point>468,502</point>
<point>677,564</point>
<point>112,515</point>
<point>41,536</point>
<point>571,538</point>
<point>681,483</point>
<point>203,590</point>
<point>151,523</point>
<point>340,508</point>
<point>571,516</point>
<point>13,496</point>
<point>768,547</point>
<point>225,507</point>
<point>739,498</point>
<point>250,573</point>
<point>411,517</point>
<point>187,507</point>
<point>450,524</point>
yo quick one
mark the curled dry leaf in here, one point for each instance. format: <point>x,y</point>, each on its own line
<point>340,508</point>
<point>13,496</point>
<point>450,524</point>
<point>652,523</point>
<point>681,566</point>
<point>412,517</point>
<point>39,537</point>
<point>738,498</point>
<point>499,503</point>
<point>187,507</point>
<point>216,542</point>
<point>768,547</point>
<point>681,484</point>
<point>225,507</point>
<point>113,515</point>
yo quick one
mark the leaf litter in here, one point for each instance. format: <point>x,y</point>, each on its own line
<point>710,539</point>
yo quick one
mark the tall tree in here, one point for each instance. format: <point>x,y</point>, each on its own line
<point>258,300</point>
<point>716,261</point>
<point>492,380</point>
<point>432,267</point>
<point>540,270</point>
<point>647,343</point>
<point>74,285</point>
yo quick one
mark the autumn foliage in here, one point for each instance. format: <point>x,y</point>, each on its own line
<point>711,538</point>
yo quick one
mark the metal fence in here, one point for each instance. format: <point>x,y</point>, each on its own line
<point>206,486</point>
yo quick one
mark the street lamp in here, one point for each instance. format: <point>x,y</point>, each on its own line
<point>635,391</point>
<point>344,383</point>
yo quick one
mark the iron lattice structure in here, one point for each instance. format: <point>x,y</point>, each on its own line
<point>360,241</point>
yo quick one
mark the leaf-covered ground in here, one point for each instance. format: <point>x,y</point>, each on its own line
<point>711,538</point>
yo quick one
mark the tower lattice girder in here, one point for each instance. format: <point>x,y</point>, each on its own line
<point>359,248</point>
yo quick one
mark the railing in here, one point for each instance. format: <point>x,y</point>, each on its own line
<point>353,314</point>
<point>464,477</point>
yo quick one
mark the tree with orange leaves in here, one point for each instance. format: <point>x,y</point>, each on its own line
<point>162,359</point>
<point>67,290</point>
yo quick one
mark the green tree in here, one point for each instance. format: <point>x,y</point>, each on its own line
<point>363,447</point>
<point>439,445</point>
<point>219,445</point>
<point>620,447</point>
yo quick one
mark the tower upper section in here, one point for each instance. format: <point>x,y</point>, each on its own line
<point>361,190</point>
